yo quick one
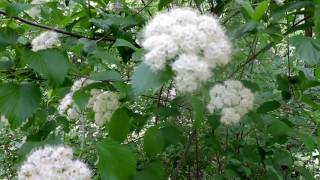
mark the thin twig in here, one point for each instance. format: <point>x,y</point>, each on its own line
<point>54,29</point>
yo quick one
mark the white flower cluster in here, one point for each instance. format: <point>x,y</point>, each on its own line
<point>45,40</point>
<point>66,104</point>
<point>53,163</point>
<point>197,41</point>
<point>103,105</point>
<point>232,98</point>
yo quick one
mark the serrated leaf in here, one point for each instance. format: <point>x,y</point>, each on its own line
<point>116,161</point>
<point>119,125</point>
<point>19,101</point>
<point>110,75</point>
<point>52,64</point>
<point>268,106</point>
<point>153,142</point>
<point>145,79</point>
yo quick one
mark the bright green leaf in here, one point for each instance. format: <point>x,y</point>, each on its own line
<point>163,3</point>
<point>116,161</point>
<point>19,101</point>
<point>119,125</point>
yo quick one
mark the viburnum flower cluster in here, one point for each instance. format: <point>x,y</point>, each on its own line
<point>53,163</point>
<point>103,105</point>
<point>45,40</point>
<point>232,98</point>
<point>196,42</point>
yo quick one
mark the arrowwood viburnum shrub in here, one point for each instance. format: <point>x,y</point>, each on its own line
<point>45,40</point>
<point>53,163</point>
<point>232,98</point>
<point>197,42</point>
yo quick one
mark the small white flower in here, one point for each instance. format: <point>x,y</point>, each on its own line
<point>53,163</point>
<point>40,1</point>
<point>279,2</point>
<point>45,40</point>
<point>34,12</point>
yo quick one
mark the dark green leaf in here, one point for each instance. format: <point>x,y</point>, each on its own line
<point>50,63</point>
<point>163,3</point>
<point>8,37</point>
<point>268,106</point>
<point>19,101</point>
<point>110,75</point>
<point>153,171</point>
<point>153,141</point>
<point>119,125</point>
<point>116,161</point>
<point>124,43</point>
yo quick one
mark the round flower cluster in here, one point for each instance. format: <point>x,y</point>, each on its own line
<point>53,163</point>
<point>232,98</point>
<point>198,42</point>
<point>103,105</point>
<point>45,40</point>
<point>66,104</point>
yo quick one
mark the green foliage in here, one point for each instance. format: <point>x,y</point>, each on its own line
<point>19,101</point>
<point>115,161</point>
<point>153,142</point>
<point>119,125</point>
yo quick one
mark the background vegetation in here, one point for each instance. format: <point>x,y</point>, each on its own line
<point>160,135</point>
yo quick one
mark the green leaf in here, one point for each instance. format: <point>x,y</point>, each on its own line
<point>261,10</point>
<point>8,37</point>
<point>153,141</point>
<point>172,135</point>
<point>268,106</point>
<point>81,98</point>
<point>116,161</point>
<point>163,3</point>
<point>15,9</point>
<point>307,49</point>
<point>246,9</point>
<point>273,174</point>
<point>197,110</point>
<point>278,128</point>
<point>145,79</point>
<point>110,75</point>
<point>153,171</point>
<point>105,56</point>
<point>119,125</point>
<point>124,43</point>
<point>50,63</point>
<point>310,102</point>
<point>287,7</point>
<point>308,141</point>
<point>19,101</point>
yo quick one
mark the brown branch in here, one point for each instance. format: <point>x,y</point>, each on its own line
<point>31,23</point>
